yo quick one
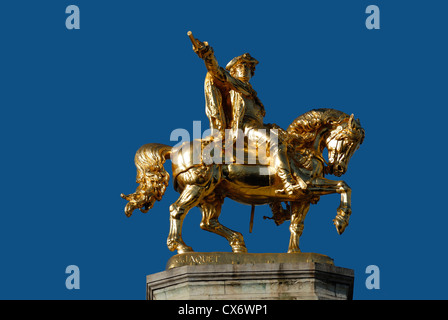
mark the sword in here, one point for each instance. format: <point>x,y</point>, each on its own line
<point>196,43</point>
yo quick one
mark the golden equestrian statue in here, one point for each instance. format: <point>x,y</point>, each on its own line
<point>283,167</point>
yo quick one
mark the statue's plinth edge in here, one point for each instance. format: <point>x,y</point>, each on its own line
<point>220,258</point>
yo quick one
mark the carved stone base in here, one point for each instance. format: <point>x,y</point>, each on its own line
<point>296,276</point>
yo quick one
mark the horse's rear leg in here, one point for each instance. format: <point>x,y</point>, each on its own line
<point>188,199</point>
<point>211,209</point>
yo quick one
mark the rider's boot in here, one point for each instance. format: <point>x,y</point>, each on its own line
<point>291,186</point>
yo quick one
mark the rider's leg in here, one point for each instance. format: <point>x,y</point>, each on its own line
<point>281,163</point>
<point>278,152</point>
<point>283,169</point>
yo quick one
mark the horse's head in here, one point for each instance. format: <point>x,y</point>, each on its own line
<point>342,142</point>
<point>340,133</point>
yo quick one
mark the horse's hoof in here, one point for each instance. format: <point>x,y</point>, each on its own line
<point>340,223</point>
<point>239,249</point>
<point>184,249</point>
<point>342,218</point>
<point>171,244</point>
<point>340,227</point>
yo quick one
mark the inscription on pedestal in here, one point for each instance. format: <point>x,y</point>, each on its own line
<point>188,259</point>
<point>217,258</point>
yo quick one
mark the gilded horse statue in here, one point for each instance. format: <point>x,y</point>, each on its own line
<point>206,185</point>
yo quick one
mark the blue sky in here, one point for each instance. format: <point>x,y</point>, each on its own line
<point>77,104</point>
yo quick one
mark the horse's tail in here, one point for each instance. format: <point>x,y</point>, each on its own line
<point>151,177</point>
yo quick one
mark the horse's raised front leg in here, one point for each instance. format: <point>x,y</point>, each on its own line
<point>322,186</point>
<point>298,214</point>
<point>211,209</point>
<point>188,199</point>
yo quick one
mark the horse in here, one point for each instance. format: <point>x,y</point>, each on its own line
<point>207,185</point>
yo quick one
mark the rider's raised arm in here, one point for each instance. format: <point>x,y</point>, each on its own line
<point>213,67</point>
<point>206,53</point>
<point>223,75</point>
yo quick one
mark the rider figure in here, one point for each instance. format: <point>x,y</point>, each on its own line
<point>232,103</point>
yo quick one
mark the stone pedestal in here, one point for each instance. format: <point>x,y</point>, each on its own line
<point>296,277</point>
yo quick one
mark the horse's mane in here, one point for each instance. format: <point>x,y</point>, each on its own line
<point>304,128</point>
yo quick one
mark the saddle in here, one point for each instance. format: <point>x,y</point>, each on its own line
<point>209,151</point>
